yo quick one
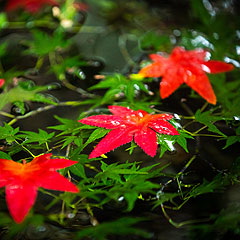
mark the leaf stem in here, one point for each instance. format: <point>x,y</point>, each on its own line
<point>48,149</point>
<point>204,106</point>
<point>26,149</point>
<point>48,193</point>
<point>200,129</point>
<point>77,89</point>
<point>181,224</point>
<point>5,114</point>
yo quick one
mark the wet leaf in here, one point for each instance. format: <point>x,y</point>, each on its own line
<point>184,66</point>
<point>23,180</point>
<point>18,94</point>
<point>126,124</point>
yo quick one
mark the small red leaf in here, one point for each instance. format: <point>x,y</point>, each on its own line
<point>23,180</point>
<point>2,81</point>
<point>184,66</point>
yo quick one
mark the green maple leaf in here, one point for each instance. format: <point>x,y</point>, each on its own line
<point>19,94</point>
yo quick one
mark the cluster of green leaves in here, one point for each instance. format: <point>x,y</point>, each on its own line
<point>24,92</point>
<point>120,87</point>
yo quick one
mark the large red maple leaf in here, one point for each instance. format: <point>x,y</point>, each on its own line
<point>31,6</point>
<point>23,180</point>
<point>184,66</point>
<point>127,124</point>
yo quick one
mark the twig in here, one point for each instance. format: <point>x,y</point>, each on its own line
<point>122,46</point>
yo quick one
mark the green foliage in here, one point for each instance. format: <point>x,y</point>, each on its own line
<point>167,141</point>
<point>68,126</point>
<point>8,133</point>
<point>3,20</point>
<point>122,227</point>
<point>208,119</point>
<point>42,137</point>
<point>233,139</point>
<point>128,181</point>
<point>4,155</point>
<point>10,74</point>
<point>96,134</point>
<point>22,94</point>
<point>200,11</point>
<point>3,47</point>
<point>44,44</point>
<point>151,40</point>
<point>67,63</point>
<point>229,95</point>
<point>118,84</point>
<point>217,184</point>
<point>227,220</point>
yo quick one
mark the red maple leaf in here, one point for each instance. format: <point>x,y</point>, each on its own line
<point>2,81</point>
<point>23,180</point>
<point>184,66</point>
<point>31,6</point>
<point>126,124</point>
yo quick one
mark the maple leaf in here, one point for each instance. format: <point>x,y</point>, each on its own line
<point>31,6</point>
<point>184,66</point>
<point>2,81</point>
<point>23,180</point>
<point>126,124</point>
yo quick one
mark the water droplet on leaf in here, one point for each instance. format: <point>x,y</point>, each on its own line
<point>54,86</point>
<point>18,111</point>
